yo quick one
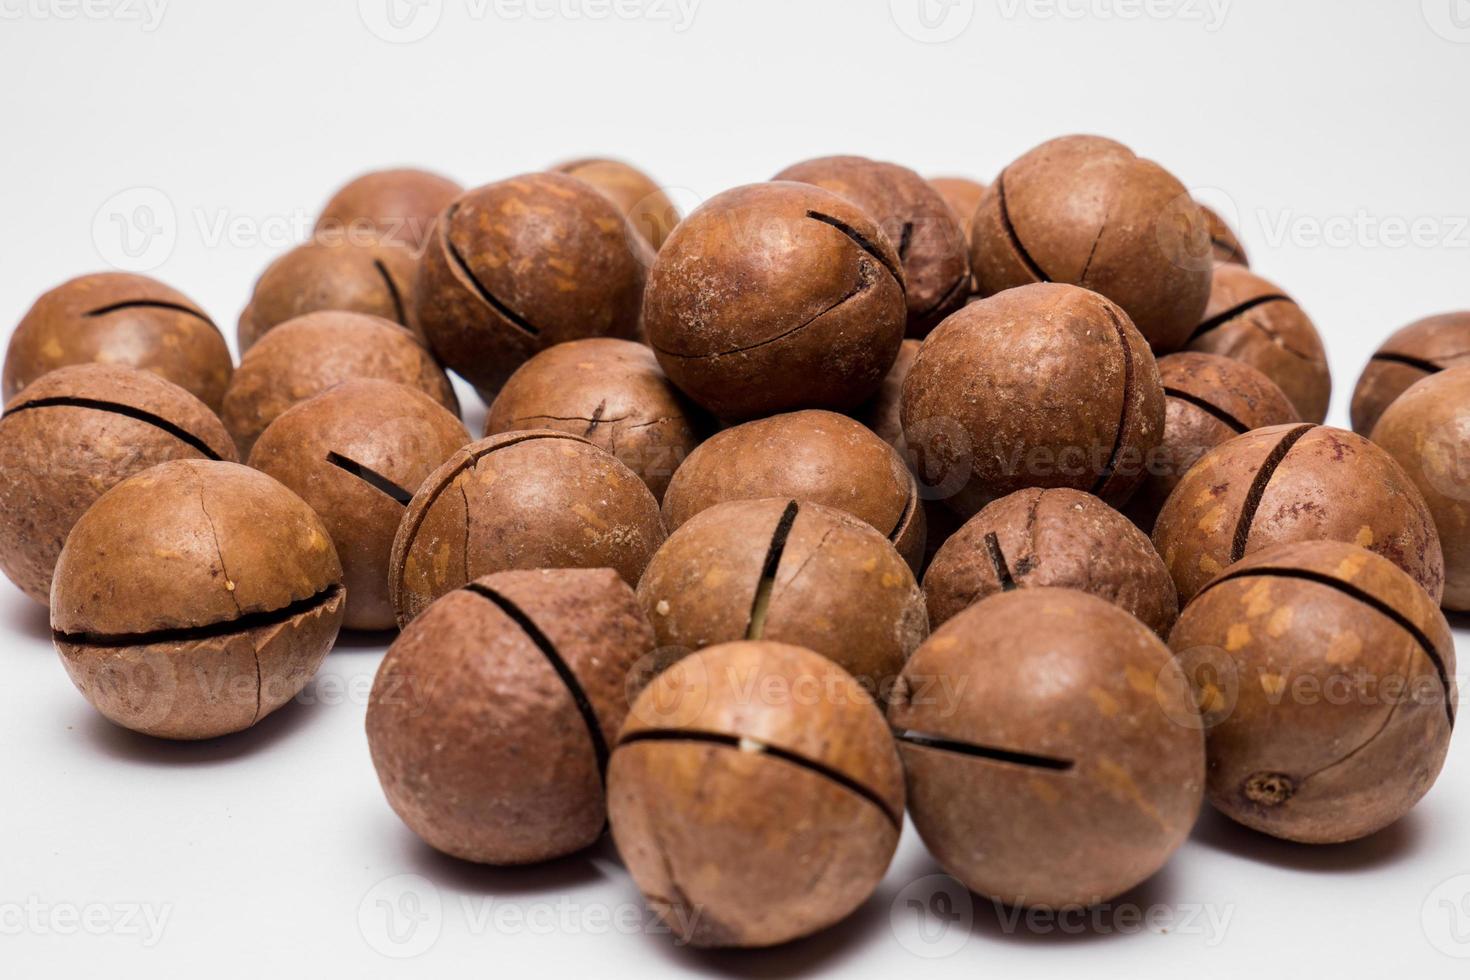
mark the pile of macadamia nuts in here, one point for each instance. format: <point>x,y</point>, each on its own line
<point>849,495</point>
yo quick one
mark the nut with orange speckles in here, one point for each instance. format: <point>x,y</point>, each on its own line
<point>195,598</point>
<point>641,200</point>
<point>1291,483</point>
<point>1422,348</point>
<point>398,205</point>
<point>1327,679</point>
<point>517,266</point>
<point>1053,750</point>
<point>522,500</point>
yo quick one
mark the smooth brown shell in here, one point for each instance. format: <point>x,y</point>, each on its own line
<point>751,821</point>
<point>1327,681</point>
<point>774,297</point>
<point>1052,538</point>
<point>398,205</point>
<point>611,393</point>
<point>522,264</point>
<point>1087,211</point>
<point>195,598</point>
<point>306,356</point>
<point>1411,354</point>
<point>76,433</point>
<point>357,453</point>
<point>963,195</point>
<point>120,318</point>
<point>1252,320</point>
<point>1224,242</point>
<point>522,500</point>
<point>1053,754</point>
<point>492,715</point>
<point>1294,483</point>
<point>1044,386</point>
<point>642,201</point>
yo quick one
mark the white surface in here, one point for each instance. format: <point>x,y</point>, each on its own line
<point>1339,119</point>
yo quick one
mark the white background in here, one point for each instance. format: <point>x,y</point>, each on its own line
<point>1333,128</point>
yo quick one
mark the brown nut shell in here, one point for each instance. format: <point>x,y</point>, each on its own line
<point>754,820</point>
<point>522,500</point>
<point>492,715</point>
<point>1327,681</point>
<point>641,200</point>
<point>1053,753</point>
<point>1224,243</point>
<point>963,195</point>
<point>882,413</point>
<point>120,318</point>
<point>398,206</point>
<point>1422,348</point>
<point>357,453</point>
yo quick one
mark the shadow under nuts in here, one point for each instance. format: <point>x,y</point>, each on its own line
<point>774,297</point>
<point>754,795</point>
<point>1422,348</point>
<point>1051,538</point>
<point>789,572</point>
<point>523,500</point>
<point>1327,682</point>
<point>491,716</point>
<point>73,435</point>
<point>397,206</point>
<point>1293,483</point>
<point>195,598</point>
<point>1052,749</point>
<point>1041,386</point>
<point>357,453</point>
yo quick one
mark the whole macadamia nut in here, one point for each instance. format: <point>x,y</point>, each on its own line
<point>517,266</point>
<point>398,205</point>
<point>1052,750</point>
<point>789,572</point>
<point>1051,538</point>
<point>774,297</point>
<point>754,819</point>
<point>1326,676</point>
<point>1422,348</point>
<point>611,393</point>
<point>357,453</point>
<point>1041,386</point>
<point>306,356</point>
<point>644,203</point>
<point>120,318</point>
<point>522,500</point>
<point>1086,211</point>
<point>492,714</point>
<point>814,456</point>
<point>918,222</point>
<point>195,598</point>
<point>1294,483</point>
<point>76,433</point>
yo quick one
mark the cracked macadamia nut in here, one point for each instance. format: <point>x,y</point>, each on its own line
<point>73,435</point>
<point>195,598</point>
<point>774,297</point>
<point>1053,753</point>
<point>1427,431</point>
<point>754,795</point>
<point>357,453</point>
<point>789,572</point>
<point>1087,211</point>
<point>920,224</point>
<point>1326,676</point>
<point>397,206</point>
<point>492,714</point>
<point>1209,400</point>
<point>963,195</point>
<point>120,318</point>
<point>611,393</point>
<point>641,200</point>
<point>1224,243</point>
<point>1294,483</point>
<point>1422,348</point>
<point>306,356</point>
<point>1252,320</point>
<point>352,276</point>
<point>1041,386</point>
<point>522,500</point>
<point>814,456</point>
<point>517,266</point>
<point>1051,538</point>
